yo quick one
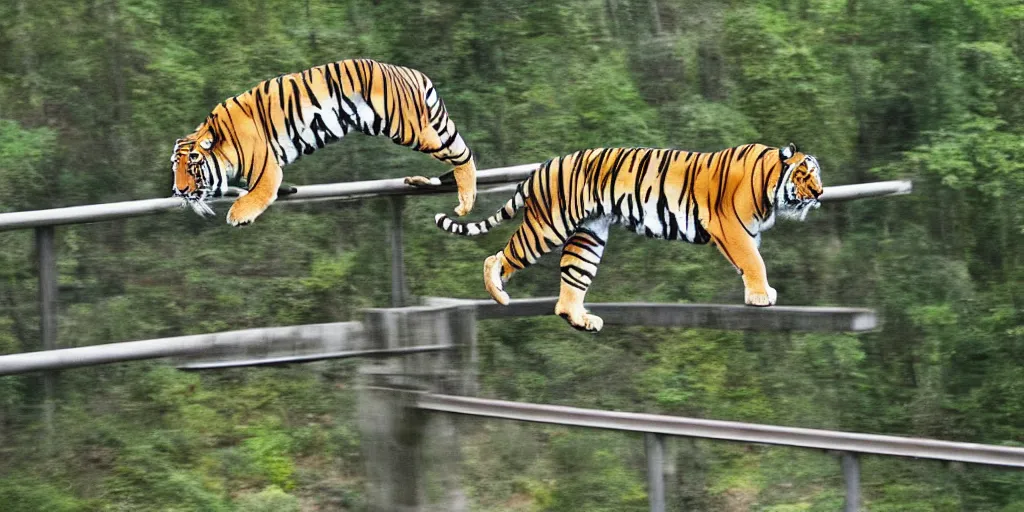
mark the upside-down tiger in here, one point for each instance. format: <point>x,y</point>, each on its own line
<point>273,124</point>
<point>727,197</point>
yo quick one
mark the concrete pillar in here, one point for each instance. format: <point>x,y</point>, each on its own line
<point>412,456</point>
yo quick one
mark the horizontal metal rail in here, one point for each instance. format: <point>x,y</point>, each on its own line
<point>864,190</point>
<point>706,316</point>
<point>728,430</point>
<point>305,193</point>
<point>338,336</point>
<point>353,190</point>
<point>309,358</point>
<point>306,343</point>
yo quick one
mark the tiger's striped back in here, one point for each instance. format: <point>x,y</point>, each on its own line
<point>276,122</point>
<point>661,193</point>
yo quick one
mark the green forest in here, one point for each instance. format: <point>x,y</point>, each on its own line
<point>93,95</point>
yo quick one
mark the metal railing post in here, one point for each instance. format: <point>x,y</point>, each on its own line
<point>398,297</point>
<point>654,446</point>
<point>851,475</point>
<point>47,316</point>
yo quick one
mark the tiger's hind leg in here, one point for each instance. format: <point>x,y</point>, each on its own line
<point>463,172</point>
<point>464,177</point>
<point>581,256</point>
<point>428,141</point>
<point>441,139</point>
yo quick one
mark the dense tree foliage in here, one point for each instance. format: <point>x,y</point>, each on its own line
<point>93,95</point>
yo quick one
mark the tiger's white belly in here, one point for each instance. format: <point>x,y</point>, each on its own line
<point>322,125</point>
<point>662,223</point>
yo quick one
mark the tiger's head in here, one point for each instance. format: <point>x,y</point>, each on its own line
<point>198,175</point>
<point>799,185</point>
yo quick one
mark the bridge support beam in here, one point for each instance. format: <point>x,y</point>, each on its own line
<point>411,456</point>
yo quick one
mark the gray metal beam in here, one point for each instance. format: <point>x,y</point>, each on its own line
<point>281,345</point>
<point>851,479</point>
<point>654,449</point>
<point>305,193</point>
<point>398,286</point>
<point>864,190</point>
<point>330,337</point>
<point>47,255</point>
<point>47,286</point>
<point>309,358</point>
<point>352,190</point>
<point>727,430</point>
<point>706,316</point>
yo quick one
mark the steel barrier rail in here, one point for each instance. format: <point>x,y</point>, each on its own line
<point>307,343</point>
<point>354,190</point>
<point>349,190</point>
<point>727,430</point>
<point>703,316</point>
<point>338,336</point>
<point>310,358</point>
<point>863,190</point>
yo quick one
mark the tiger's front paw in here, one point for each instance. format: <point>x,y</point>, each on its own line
<point>761,299</point>
<point>242,213</point>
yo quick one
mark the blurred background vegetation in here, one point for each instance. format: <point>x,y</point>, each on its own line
<point>94,93</point>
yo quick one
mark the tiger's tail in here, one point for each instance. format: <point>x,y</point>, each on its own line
<point>506,212</point>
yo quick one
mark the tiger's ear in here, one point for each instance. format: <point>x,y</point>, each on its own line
<point>787,152</point>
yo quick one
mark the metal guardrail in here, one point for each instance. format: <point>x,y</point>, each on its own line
<point>330,337</point>
<point>310,358</point>
<point>306,343</point>
<point>355,190</point>
<point>306,193</point>
<point>865,190</point>
<point>994,455</point>
<point>700,316</point>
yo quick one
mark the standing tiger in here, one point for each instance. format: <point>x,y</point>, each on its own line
<point>273,124</point>
<point>727,197</point>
